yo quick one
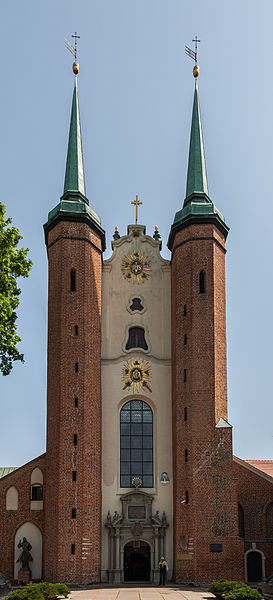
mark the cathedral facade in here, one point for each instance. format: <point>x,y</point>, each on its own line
<point>138,461</point>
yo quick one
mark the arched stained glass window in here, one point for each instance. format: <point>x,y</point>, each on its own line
<point>136,444</point>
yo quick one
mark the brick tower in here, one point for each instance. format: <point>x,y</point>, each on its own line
<point>75,241</point>
<point>206,544</point>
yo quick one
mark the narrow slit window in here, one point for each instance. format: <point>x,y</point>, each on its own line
<point>136,338</point>
<point>76,330</point>
<point>72,280</point>
<point>185,375</point>
<point>185,339</point>
<point>185,310</point>
<point>202,282</point>
<point>187,497</point>
<point>186,455</point>
<point>185,413</point>
<point>72,548</point>
<point>75,439</point>
<point>74,475</point>
<point>76,367</point>
<point>76,402</point>
<point>73,513</point>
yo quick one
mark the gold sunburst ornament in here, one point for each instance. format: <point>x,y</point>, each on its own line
<point>136,267</point>
<point>136,375</point>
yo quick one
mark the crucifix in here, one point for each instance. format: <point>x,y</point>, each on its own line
<point>193,53</point>
<point>76,37</point>
<point>137,203</point>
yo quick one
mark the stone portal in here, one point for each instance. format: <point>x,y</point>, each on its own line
<point>137,561</point>
<point>136,539</point>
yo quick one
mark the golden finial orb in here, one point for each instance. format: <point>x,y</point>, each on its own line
<point>195,71</point>
<point>76,68</point>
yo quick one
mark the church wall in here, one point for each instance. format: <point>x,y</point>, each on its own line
<point>118,293</point>
<point>111,491</point>
<point>255,495</point>
<point>73,507</point>
<point>199,386</point>
<point>12,520</point>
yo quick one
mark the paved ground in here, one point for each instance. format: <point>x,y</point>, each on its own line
<point>141,593</point>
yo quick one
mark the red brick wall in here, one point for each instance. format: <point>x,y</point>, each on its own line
<point>211,515</point>
<point>73,246</point>
<point>11,520</point>
<point>255,494</point>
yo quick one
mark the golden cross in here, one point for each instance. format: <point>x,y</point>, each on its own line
<point>136,202</point>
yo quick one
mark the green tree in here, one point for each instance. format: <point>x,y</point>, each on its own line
<point>13,264</point>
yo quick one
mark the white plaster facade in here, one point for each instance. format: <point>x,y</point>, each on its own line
<point>117,318</point>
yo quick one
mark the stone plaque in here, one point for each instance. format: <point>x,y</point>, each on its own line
<point>184,556</point>
<point>136,512</point>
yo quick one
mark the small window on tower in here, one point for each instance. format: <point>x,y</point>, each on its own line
<point>76,367</point>
<point>76,402</point>
<point>185,374</point>
<point>73,513</point>
<point>76,330</point>
<point>72,280</point>
<point>185,413</point>
<point>185,310</point>
<point>202,282</point>
<point>187,497</point>
<point>72,548</point>
<point>74,475</point>
<point>136,305</point>
<point>185,339</point>
<point>186,455</point>
<point>136,339</point>
<point>75,439</point>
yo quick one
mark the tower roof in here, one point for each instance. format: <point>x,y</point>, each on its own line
<point>197,207</point>
<point>74,173</point>
<point>197,176</point>
<point>74,205</point>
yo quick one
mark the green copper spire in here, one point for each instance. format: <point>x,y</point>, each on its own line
<point>197,176</point>
<point>197,207</point>
<point>74,173</point>
<point>73,205</point>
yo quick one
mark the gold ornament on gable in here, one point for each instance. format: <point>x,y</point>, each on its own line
<point>136,375</point>
<point>136,267</point>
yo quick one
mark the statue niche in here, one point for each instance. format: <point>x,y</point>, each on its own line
<point>24,575</point>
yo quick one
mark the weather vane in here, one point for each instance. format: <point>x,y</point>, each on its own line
<point>136,202</point>
<point>193,54</point>
<point>73,50</point>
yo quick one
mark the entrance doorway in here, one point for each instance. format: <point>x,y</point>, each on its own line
<point>254,565</point>
<point>137,561</point>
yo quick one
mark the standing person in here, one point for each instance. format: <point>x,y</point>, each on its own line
<point>163,570</point>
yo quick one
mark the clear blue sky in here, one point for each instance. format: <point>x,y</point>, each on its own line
<point>136,92</point>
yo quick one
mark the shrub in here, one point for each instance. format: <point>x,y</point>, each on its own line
<point>40,591</point>
<point>243,593</point>
<point>62,589</point>
<point>218,588</point>
<point>30,592</point>
<point>233,590</point>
